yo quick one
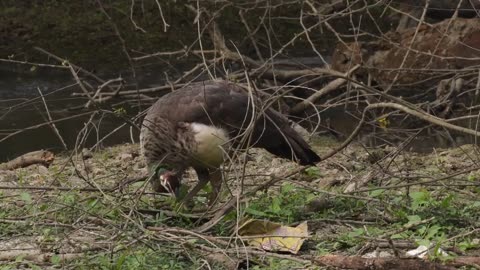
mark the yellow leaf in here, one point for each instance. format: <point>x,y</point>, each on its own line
<point>272,236</point>
<point>383,122</point>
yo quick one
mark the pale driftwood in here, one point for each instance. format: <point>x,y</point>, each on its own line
<point>36,157</point>
<point>333,85</point>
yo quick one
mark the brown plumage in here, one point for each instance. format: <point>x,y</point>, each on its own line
<point>194,127</point>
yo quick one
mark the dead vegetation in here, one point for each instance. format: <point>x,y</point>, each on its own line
<point>358,205</point>
<point>382,78</point>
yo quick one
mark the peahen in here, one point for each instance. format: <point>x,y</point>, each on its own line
<point>196,126</point>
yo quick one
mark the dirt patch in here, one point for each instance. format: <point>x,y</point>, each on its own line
<point>408,199</point>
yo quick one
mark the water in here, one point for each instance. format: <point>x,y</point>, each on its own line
<point>21,107</point>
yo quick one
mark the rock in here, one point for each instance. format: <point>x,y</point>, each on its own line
<point>88,167</point>
<point>42,170</point>
<point>126,157</point>
<point>377,254</point>
<point>86,154</point>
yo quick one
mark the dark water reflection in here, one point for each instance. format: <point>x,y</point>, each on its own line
<point>21,107</point>
<point>416,139</point>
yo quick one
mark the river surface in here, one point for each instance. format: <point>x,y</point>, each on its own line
<point>22,108</point>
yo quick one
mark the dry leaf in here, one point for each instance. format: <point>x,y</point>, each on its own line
<point>274,236</point>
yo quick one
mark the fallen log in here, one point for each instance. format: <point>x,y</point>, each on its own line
<point>358,262</point>
<point>42,157</point>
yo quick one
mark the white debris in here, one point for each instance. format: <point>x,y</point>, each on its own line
<point>422,251</point>
<point>377,254</point>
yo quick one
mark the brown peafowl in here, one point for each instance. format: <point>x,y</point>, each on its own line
<point>197,125</point>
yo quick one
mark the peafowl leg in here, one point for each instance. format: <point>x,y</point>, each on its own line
<point>216,181</point>
<point>203,176</point>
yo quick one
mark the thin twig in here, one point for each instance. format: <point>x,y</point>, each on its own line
<point>52,125</point>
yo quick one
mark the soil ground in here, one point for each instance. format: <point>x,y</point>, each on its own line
<point>359,202</point>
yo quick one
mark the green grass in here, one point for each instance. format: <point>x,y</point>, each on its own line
<point>111,230</point>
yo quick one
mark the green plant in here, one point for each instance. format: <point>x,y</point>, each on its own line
<point>140,258</point>
<point>286,206</point>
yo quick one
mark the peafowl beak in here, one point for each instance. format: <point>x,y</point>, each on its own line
<point>170,182</point>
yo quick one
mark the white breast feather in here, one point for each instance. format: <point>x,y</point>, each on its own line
<point>211,142</point>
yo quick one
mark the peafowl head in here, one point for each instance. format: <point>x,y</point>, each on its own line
<point>166,181</point>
